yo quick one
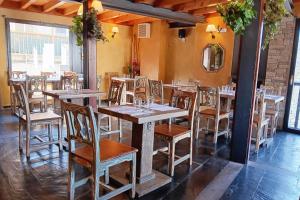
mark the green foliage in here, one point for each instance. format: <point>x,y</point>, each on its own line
<point>94,27</point>
<point>237,14</point>
<point>274,12</point>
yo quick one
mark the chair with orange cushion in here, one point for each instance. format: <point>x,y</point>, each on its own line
<point>173,133</point>
<point>86,149</point>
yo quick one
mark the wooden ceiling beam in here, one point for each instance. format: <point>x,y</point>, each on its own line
<point>25,4</point>
<point>51,5</point>
<point>203,11</point>
<point>150,11</point>
<point>140,21</point>
<point>110,15</point>
<point>71,9</point>
<point>194,5</point>
<point>125,18</point>
<point>169,3</point>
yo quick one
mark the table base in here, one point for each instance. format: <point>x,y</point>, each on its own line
<point>144,188</point>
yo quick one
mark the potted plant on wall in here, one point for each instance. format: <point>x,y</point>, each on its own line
<point>93,26</point>
<point>240,14</point>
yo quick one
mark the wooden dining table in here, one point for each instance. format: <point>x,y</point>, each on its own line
<point>143,122</point>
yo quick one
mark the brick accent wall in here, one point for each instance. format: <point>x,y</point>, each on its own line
<point>279,60</point>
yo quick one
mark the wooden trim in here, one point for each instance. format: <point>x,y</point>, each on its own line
<point>26,4</point>
<point>51,5</point>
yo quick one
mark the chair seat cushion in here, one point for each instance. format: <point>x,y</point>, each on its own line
<point>170,131</point>
<point>109,150</point>
<point>213,113</point>
<point>42,116</point>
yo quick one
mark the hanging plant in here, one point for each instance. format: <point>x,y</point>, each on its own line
<point>93,26</point>
<point>237,14</point>
<point>274,12</point>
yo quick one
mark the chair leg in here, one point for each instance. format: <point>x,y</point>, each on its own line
<point>20,137</point>
<point>216,130</point>
<point>191,150</point>
<point>133,175</point>
<point>71,182</point>
<point>120,128</point>
<point>59,129</point>
<point>107,176</point>
<point>109,123</point>
<point>50,136</point>
<point>257,140</point>
<point>197,127</point>
<point>172,159</point>
<point>28,140</point>
<point>96,187</point>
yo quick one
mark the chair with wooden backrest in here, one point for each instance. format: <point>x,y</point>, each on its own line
<point>173,133</point>
<point>17,75</point>
<point>260,122</point>
<point>35,85</point>
<point>98,82</point>
<point>210,110</point>
<point>156,91</point>
<point>139,88</point>
<point>114,98</point>
<point>27,120</point>
<point>69,82</point>
<point>86,149</point>
<point>272,110</point>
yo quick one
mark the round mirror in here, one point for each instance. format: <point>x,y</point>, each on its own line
<point>213,57</point>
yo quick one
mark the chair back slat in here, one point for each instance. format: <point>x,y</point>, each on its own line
<point>22,101</point>
<point>82,127</point>
<point>98,82</point>
<point>260,104</point>
<point>115,92</point>
<point>183,100</point>
<point>69,82</point>
<point>156,89</point>
<point>18,74</point>
<point>209,97</point>
<point>140,86</point>
<point>35,84</point>
<point>49,74</point>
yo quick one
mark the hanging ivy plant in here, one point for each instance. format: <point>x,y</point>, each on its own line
<point>274,12</point>
<point>93,26</point>
<point>237,14</point>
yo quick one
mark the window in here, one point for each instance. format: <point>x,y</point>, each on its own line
<point>36,48</point>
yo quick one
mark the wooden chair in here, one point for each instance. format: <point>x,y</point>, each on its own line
<point>260,122</point>
<point>139,88</point>
<point>86,149</point>
<point>27,120</point>
<point>98,82</point>
<point>272,110</point>
<point>35,85</point>
<point>156,91</point>
<point>173,133</point>
<point>21,75</point>
<point>210,110</point>
<point>114,98</point>
<point>69,82</point>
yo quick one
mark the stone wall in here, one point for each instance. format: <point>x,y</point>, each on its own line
<point>279,60</point>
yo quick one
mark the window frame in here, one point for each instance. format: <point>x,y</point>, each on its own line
<point>8,40</point>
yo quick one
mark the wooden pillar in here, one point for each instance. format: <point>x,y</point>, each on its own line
<point>249,57</point>
<point>89,57</point>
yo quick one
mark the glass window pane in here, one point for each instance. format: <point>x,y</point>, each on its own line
<point>36,48</point>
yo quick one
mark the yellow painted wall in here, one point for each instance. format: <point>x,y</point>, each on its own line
<point>112,56</point>
<point>152,51</point>
<point>115,55</point>
<point>184,59</point>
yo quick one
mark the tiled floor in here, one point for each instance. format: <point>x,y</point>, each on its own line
<point>44,176</point>
<point>273,174</point>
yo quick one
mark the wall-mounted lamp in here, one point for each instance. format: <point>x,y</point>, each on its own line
<point>97,5</point>
<point>114,31</point>
<point>211,28</point>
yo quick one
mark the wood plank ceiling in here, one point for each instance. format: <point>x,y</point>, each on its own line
<point>69,8</point>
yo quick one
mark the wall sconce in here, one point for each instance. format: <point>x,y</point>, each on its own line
<point>114,31</point>
<point>211,28</point>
